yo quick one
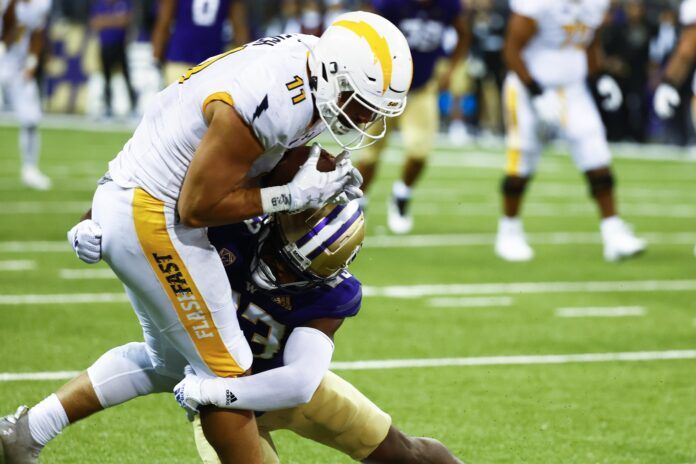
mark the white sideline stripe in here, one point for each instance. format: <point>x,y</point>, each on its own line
<point>66,298</point>
<point>618,311</point>
<point>17,265</point>
<point>472,302</point>
<point>86,274</point>
<point>440,362</point>
<point>516,288</point>
<point>415,241</point>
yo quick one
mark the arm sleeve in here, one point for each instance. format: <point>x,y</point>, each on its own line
<point>307,357</point>
<point>529,8</point>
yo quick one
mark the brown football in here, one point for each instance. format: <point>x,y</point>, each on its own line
<point>290,163</point>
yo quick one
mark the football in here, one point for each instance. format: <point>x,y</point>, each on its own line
<point>290,163</point>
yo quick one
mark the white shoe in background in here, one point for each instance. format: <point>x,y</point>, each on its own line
<point>35,179</point>
<point>399,218</point>
<point>619,240</point>
<point>511,243</point>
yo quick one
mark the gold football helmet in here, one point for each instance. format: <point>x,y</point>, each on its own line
<point>300,251</point>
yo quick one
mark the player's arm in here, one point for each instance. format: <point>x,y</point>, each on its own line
<point>306,359</point>
<point>520,31</point>
<point>461,26</point>
<point>238,19</point>
<point>214,192</point>
<point>683,58</point>
<point>161,31</point>
<point>9,22</point>
<point>36,44</point>
<point>608,90</point>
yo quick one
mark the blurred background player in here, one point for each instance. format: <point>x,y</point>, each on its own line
<point>424,23</point>
<point>667,97</point>
<point>18,69</point>
<point>187,32</point>
<point>110,20</point>
<point>551,50</point>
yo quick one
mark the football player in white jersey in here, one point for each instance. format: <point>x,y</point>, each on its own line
<point>667,97</point>
<point>18,79</point>
<point>552,51</point>
<point>192,162</point>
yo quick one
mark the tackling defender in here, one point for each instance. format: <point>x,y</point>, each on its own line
<point>189,166</point>
<point>424,22</point>
<point>289,276</point>
<point>25,39</point>
<point>189,31</point>
<point>552,48</point>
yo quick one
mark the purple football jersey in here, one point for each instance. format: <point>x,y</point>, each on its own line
<point>423,23</point>
<point>111,35</point>
<point>267,319</point>
<point>198,30</point>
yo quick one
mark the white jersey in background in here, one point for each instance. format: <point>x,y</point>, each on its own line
<point>31,16</point>
<point>687,17</point>
<point>556,56</point>
<point>267,83</point>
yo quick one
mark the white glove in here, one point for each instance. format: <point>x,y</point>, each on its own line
<point>85,239</point>
<point>547,107</point>
<point>352,190</point>
<point>188,393</point>
<point>666,101</point>
<point>610,92</point>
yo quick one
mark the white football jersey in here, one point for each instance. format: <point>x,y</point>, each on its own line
<point>267,83</point>
<point>557,55</point>
<point>31,16</point>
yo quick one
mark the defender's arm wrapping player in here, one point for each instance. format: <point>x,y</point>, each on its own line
<point>551,49</point>
<point>189,165</point>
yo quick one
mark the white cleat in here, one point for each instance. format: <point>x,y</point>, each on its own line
<point>619,240</point>
<point>35,179</point>
<point>399,219</point>
<point>16,443</point>
<point>511,243</point>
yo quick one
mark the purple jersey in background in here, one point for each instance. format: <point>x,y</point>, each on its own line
<point>198,30</point>
<point>114,35</point>
<point>424,24</point>
<point>268,319</point>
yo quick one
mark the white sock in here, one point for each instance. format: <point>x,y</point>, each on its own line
<point>29,144</point>
<point>401,190</point>
<point>47,419</point>
<point>510,224</point>
<point>610,224</point>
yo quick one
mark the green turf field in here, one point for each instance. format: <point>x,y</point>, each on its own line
<point>424,301</point>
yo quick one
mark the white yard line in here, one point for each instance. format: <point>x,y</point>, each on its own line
<point>439,362</point>
<point>617,311</point>
<point>86,274</point>
<point>471,302</point>
<point>517,288</point>
<point>416,241</point>
<point>18,265</point>
<point>410,291</point>
<point>64,298</point>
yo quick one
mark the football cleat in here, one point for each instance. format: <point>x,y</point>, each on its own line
<point>399,219</point>
<point>16,443</point>
<point>619,240</point>
<point>35,179</point>
<point>511,243</point>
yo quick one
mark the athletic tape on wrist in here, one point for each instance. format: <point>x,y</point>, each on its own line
<point>276,199</point>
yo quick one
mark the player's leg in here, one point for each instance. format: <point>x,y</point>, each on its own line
<point>26,103</point>
<point>208,455</point>
<point>590,150</point>
<point>179,278</point>
<point>522,156</point>
<point>122,58</point>
<point>173,71</point>
<point>398,447</point>
<point>418,128</point>
<point>368,159</point>
<point>107,64</point>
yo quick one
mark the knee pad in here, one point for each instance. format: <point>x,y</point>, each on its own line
<point>600,181</point>
<point>513,186</point>
<point>124,373</point>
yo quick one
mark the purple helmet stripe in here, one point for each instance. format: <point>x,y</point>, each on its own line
<point>335,236</point>
<point>316,229</point>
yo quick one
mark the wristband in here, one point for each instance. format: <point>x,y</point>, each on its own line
<point>276,199</point>
<point>534,88</point>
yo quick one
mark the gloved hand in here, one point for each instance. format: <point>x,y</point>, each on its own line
<point>547,107</point>
<point>85,239</point>
<point>609,93</point>
<point>352,190</point>
<point>311,188</point>
<point>188,393</point>
<point>667,99</point>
